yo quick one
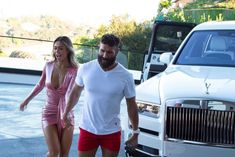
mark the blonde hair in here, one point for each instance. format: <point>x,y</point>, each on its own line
<point>69,46</point>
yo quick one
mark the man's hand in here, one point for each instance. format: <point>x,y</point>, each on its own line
<point>132,143</point>
<point>66,120</point>
<point>132,110</point>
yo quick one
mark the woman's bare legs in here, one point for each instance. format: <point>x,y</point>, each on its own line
<point>52,140</point>
<point>66,141</point>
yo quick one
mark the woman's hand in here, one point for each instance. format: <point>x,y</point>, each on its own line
<point>23,106</point>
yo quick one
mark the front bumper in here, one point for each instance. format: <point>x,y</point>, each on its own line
<point>138,153</point>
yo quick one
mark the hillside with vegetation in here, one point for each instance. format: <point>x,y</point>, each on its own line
<point>43,27</point>
<point>19,32</point>
<point>197,11</point>
<point>134,36</point>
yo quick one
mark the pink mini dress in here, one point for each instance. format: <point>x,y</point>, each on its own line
<point>56,98</point>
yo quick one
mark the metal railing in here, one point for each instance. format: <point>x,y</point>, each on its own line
<point>83,52</point>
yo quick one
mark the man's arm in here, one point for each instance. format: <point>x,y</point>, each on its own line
<point>133,112</point>
<point>72,101</point>
<point>134,120</point>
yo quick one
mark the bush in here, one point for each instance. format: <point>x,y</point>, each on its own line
<point>3,54</point>
<point>21,54</point>
<point>85,54</point>
<point>202,15</point>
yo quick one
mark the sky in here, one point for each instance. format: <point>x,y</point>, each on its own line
<point>90,12</point>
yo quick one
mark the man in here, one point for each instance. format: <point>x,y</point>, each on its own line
<point>105,83</point>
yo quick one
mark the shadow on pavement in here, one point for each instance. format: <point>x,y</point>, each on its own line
<point>36,147</point>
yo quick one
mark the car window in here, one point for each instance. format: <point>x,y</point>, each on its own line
<point>169,38</point>
<point>209,48</point>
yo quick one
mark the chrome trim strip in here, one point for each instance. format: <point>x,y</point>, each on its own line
<point>199,143</point>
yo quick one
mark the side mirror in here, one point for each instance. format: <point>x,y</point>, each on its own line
<point>166,57</point>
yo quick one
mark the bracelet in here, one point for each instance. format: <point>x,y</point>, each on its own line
<point>136,131</point>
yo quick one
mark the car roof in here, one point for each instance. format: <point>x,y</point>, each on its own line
<point>216,25</point>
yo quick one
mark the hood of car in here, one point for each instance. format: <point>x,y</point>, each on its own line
<point>198,81</point>
<point>148,90</point>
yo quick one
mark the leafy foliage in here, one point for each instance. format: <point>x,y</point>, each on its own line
<point>21,54</point>
<point>2,54</point>
<point>199,11</point>
<point>205,4</point>
<point>230,4</point>
<point>134,36</point>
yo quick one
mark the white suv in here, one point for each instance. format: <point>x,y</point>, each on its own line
<point>189,109</point>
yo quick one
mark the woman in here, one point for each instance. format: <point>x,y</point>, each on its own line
<point>58,77</point>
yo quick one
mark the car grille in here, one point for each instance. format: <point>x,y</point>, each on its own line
<point>201,125</point>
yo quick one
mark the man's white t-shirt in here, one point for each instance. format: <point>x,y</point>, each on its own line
<point>103,93</point>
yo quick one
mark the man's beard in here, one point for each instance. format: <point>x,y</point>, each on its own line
<point>106,63</point>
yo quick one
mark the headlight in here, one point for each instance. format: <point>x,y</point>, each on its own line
<point>148,109</point>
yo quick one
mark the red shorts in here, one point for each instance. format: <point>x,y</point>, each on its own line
<point>88,141</point>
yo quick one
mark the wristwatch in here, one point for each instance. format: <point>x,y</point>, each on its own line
<point>136,131</point>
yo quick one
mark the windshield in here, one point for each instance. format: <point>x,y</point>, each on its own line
<point>209,48</point>
<point>169,37</point>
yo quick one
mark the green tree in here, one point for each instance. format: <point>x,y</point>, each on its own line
<point>134,36</point>
<point>86,48</point>
<point>134,40</point>
<point>198,11</point>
